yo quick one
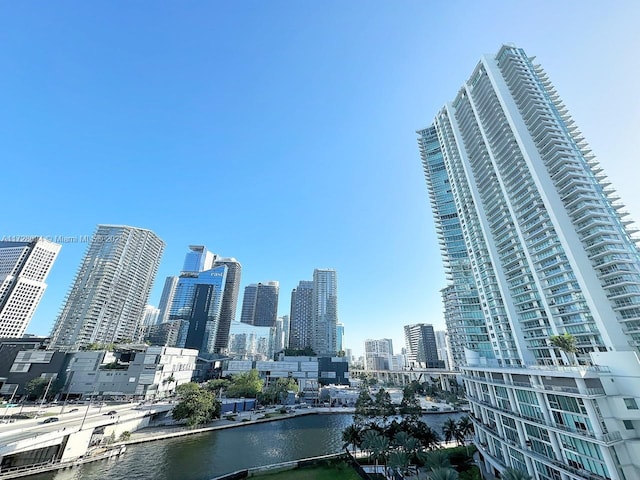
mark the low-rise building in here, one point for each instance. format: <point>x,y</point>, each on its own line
<point>133,372</point>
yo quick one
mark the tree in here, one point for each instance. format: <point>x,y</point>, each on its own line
<point>277,391</point>
<point>442,474</point>
<point>465,429</point>
<point>567,343</point>
<point>364,406</point>
<point>376,444</point>
<point>352,435</point>
<point>247,384</point>
<point>217,386</point>
<point>36,388</point>
<point>382,405</point>
<point>399,462</point>
<point>513,474</point>
<point>197,406</point>
<point>434,459</point>
<point>450,429</point>
<point>409,404</point>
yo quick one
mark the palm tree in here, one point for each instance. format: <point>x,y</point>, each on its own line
<point>465,425</point>
<point>513,474</point>
<point>449,429</point>
<point>351,436</point>
<point>398,462</point>
<point>434,459</point>
<point>376,444</point>
<point>442,474</point>
<point>567,343</point>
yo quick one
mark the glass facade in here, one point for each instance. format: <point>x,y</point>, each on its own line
<point>535,244</point>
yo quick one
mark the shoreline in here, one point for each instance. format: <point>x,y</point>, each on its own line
<point>163,432</point>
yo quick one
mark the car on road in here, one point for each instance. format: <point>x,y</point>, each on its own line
<point>51,420</point>
<point>112,412</point>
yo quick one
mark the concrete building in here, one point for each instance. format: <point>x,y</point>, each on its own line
<point>112,286</point>
<point>442,347</point>
<point>260,304</point>
<point>139,372</point>
<point>325,312</point>
<point>166,299</point>
<point>24,267</point>
<point>535,244</point>
<point>301,315</point>
<point>422,351</point>
<point>378,354</point>
<point>229,301</point>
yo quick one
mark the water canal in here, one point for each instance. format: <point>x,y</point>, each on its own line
<point>207,455</point>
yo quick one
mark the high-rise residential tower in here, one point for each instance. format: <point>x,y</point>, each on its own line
<point>166,299</point>
<point>301,315</point>
<point>378,354</point>
<point>314,313</point>
<point>535,246</point>
<point>260,304</point>
<point>107,299</point>
<point>229,301</point>
<point>24,267</point>
<point>420,340</point>
<point>325,312</point>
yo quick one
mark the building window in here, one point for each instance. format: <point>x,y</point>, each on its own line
<point>628,424</point>
<point>631,403</point>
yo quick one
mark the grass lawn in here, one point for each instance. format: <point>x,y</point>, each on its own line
<point>340,471</point>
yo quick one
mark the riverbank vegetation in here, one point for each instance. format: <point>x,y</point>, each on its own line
<point>398,441</point>
<point>338,470</point>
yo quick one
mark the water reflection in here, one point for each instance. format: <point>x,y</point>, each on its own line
<point>207,455</point>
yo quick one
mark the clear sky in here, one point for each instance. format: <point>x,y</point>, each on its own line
<point>281,133</point>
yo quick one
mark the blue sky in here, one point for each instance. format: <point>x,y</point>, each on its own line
<point>279,133</point>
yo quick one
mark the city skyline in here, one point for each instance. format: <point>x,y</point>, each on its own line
<point>330,175</point>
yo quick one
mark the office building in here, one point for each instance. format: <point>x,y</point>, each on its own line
<point>442,347</point>
<point>422,352</point>
<point>535,245</point>
<point>111,288</point>
<point>260,304</point>
<point>197,304</point>
<point>24,267</point>
<point>301,315</point>
<point>150,315</point>
<point>229,301</point>
<point>250,342</point>
<point>378,354</point>
<point>199,259</point>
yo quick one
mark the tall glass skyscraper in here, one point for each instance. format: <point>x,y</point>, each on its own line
<point>260,304</point>
<point>325,312</point>
<point>24,267</point>
<point>535,244</point>
<point>229,301</point>
<point>106,302</point>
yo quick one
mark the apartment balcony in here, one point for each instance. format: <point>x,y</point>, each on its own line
<point>555,463</point>
<point>606,439</point>
<point>590,393</point>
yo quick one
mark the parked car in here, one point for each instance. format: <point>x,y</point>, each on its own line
<point>73,410</point>
<point>51,420</point>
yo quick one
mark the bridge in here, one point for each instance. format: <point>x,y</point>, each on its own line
<point>401,378</point>
<point>76,432</point>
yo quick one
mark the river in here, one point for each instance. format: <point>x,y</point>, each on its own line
<point>207,455</point>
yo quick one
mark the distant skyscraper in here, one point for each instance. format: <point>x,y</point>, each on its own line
<point>197,300</point>
<point>229,301</point>
<point>301,315</point>
<point>24,267</point>
<point>199,259</point>
<point>260,304</point>
<point>166,299</point>
<point>536,248</point>
<point>150,315</point>
<point>325,312</point>
<point>107,299</point>
<point>378,354</point>
<point>422,351</point>
<point>442,347</point>
<point>339,337</point>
